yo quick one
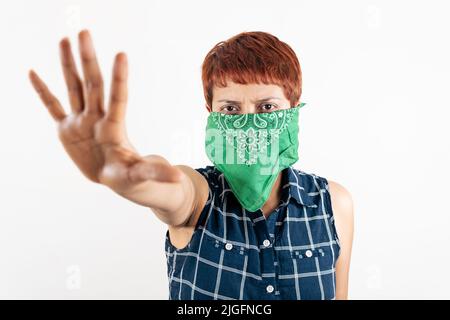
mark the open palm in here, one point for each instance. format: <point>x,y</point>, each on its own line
<point>94,137</point>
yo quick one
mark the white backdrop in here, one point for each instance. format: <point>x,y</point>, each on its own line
<point>376,84</point>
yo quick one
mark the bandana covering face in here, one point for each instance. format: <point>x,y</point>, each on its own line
<point>252,149</point>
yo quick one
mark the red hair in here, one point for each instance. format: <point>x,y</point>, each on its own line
<point>252,57</point>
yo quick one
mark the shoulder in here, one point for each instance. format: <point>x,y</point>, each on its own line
<point>342,207</point>
<point>341,199</point>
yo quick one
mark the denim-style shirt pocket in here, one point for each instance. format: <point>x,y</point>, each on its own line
<point>312,260</point>
<point>312,266</point>
<point>307,262</point>
<point>232,256</point>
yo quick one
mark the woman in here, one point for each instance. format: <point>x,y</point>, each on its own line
<point>250,226</point>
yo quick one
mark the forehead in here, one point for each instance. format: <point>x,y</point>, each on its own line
<point>236,91</point>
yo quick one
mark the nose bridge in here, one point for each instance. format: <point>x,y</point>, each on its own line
<point>249,106</point>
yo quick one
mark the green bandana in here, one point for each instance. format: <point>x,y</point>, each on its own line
<point>251,149</point>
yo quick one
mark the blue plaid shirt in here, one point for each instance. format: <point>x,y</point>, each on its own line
<point>237,254</point>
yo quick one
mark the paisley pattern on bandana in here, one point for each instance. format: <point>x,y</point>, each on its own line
<point>252,133</point>
<point>251,149</point>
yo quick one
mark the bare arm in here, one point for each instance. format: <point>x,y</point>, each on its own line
<point>343,213</point>
<point>95,138</point>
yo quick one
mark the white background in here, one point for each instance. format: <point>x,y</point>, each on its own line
<point>376,84</point>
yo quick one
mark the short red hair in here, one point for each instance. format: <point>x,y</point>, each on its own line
<point>252,57</point>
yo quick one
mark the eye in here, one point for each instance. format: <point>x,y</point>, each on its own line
<point>229,109</point>
<point>268,107</point>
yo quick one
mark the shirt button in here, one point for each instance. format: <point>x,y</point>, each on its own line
<point>228,246</point>
<point>266,243</point>
<point>269,288</point>
<point>308,253</point>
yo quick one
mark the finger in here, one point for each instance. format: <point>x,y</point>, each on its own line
<point>152,169</point>
<point>71,76</point>
<point>50,101</point>
<point>119,89</point>
<point>92,76</point>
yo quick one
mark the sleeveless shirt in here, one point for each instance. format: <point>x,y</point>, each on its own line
<point>235,254</point>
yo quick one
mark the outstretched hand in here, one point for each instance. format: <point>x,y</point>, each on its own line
<point>94,137</point>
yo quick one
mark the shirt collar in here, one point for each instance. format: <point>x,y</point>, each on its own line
<point>294,185</point>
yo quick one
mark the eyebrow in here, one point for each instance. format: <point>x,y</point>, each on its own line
<point>238,102</point>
